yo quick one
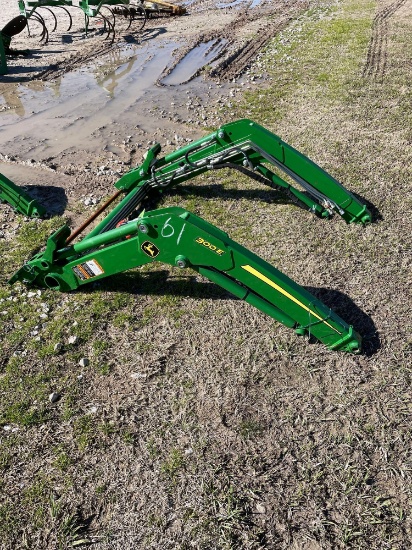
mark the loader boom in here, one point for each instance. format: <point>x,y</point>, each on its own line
<point>249,148</point>
<point>21,201</point>
<point>178,237</point>
<point>130,237</point>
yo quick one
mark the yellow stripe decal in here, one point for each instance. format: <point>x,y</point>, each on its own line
<point>266,280</point>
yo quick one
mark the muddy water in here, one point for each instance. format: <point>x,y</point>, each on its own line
<point>255,3</point>
<point>80,102</point>
<point>200,56</point>
<point>89,109</point>
<point>92,102</point>
<point>73,112</point>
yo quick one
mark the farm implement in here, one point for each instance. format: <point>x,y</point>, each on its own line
<point>13,27</point>
<point>151,9</point>
<point>21,201</point>
<point>38,9</point>
<point>104,11</point>
<point>159,8</point>
<point>34,10</point>
<point>94,8</point>
<point>136,13</point>
<point>129,236</point>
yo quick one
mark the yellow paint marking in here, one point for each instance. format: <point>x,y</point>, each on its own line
<point>266,280</point>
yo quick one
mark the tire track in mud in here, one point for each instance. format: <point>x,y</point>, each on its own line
<point>67,65</point>
<point>377,56</point>
<point>241,55</point>
<point>236,55</point>
<point>236,64</point>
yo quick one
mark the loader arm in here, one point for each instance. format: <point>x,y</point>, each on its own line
<point>251,149</point>
<point>177,237</point>
<point>21,201</point>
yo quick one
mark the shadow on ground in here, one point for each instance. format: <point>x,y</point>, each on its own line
<point>343,306</point>
<point>161,283</point>
<point>376,215</point>
<point>229,194</point>
<point>53,198</point>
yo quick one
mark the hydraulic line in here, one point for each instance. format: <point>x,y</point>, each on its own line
<point>126,209</point>
<point>260,179</point>
<point>82,227</point>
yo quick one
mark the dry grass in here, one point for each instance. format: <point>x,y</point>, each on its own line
<point>201,423</point>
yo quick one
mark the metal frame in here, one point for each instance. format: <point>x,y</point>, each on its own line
<point>130,237</point>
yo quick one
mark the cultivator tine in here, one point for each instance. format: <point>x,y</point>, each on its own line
<point>54,17</point>
<point>130,16</point>
<point>31,11</point>
<point>109,26</point>
<point>45,33</point>
<point>70,18</point>
<point>133,13</point>
<point>37,17</point>
<point>93,9</point>
<point>95,12</point>
<point>113,15</point>
<point>140,14</point>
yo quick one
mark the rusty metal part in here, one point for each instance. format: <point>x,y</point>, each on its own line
<point>85,224</point>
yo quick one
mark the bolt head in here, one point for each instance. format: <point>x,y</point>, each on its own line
<point>143,228</point>
<point>181,262</point>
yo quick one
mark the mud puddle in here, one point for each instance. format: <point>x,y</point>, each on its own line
<point>77,104</point>
<point>71,112</point>
<point>193,62</point>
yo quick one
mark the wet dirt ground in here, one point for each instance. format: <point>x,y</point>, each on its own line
<point>79,102</point>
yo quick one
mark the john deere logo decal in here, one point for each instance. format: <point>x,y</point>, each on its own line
<point>150,249</point>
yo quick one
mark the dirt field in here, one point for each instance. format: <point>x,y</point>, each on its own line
<point>197,421</point>
<point>111,82</point>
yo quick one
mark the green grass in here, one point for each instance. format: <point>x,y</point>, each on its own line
<point>313,59</point>
<point>172,464</point>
